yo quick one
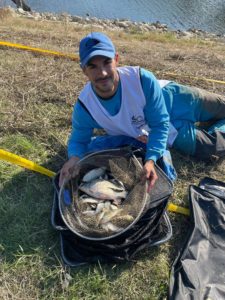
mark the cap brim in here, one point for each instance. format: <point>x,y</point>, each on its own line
<point>108,54</point>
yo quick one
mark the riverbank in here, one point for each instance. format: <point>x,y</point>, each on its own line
<point>114,25</point>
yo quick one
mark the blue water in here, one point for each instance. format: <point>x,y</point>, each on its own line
<point>208,15</point>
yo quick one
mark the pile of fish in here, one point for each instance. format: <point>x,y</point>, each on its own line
<point>100,199</point>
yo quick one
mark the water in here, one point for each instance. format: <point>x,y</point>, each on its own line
<point>208,15</point>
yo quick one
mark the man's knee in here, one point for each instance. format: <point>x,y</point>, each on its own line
<point>212,103</point>
<point>209,145</point>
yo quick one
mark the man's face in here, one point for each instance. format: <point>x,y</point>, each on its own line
<point>102,73</point>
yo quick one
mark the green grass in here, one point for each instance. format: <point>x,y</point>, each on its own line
<point>37,94</point>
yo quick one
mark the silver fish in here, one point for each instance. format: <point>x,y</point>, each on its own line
<point>111,227</point>
<point>123,218</point>
<point>103,189</point>
<point>89,213</point>
<point>94,174</point>
<point>89,200</point>
<point>100,207</point>
<point>117,182</point>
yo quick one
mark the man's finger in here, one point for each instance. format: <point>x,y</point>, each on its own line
<point>151,181</point>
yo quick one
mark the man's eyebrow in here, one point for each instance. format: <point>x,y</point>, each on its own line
<point>89,64</point>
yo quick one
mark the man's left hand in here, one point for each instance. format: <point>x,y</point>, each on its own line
<point>150,174</point>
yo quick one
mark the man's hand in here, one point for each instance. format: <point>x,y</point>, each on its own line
<point>69,169</point>
<point>150,174</point>
<point>143,138</point>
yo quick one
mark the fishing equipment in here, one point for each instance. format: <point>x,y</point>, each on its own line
<point>83,240</point>
<point>30,165</point>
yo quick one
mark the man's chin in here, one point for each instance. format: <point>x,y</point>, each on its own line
<point>104,92</point>
<point>105,87</point>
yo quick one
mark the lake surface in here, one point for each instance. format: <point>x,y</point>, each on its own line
<point>208,15</point>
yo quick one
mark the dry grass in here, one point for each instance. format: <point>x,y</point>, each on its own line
<point>36,100</point>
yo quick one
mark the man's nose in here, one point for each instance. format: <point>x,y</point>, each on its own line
<point>102,71</point>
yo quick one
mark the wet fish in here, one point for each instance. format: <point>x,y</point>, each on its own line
<point>89,200</point>
<point>95,208</point>
<point>94,174</point>
<point>123,218</point>
<point>103,189</point>
<point>100,207</point>
<point>89,213</point>
<point>117,182</point>
<point>111,227</point>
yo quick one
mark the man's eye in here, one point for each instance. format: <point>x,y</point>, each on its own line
<point>91,67</point>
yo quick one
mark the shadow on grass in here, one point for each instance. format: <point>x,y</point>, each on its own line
<point>25,207</point>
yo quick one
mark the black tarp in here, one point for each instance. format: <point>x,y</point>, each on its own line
<point>199,271</point>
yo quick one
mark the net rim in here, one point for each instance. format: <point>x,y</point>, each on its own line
<point>116,234</point>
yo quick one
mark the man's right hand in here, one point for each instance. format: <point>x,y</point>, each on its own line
<point>69,169</point>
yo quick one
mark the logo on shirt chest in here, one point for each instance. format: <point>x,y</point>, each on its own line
<point>138,121</point>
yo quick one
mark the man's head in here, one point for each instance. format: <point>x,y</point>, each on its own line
<point>95,43</point>
<point>98,60</point>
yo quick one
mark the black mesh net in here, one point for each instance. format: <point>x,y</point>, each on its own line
<point>151,225</point>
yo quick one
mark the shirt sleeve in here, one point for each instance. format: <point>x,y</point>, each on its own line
<point>82,131</point>
<point>156,116</point>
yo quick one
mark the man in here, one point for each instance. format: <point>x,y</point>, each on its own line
<point>135,108</point>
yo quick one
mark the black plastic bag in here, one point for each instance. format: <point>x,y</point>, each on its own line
<point>199,271</point>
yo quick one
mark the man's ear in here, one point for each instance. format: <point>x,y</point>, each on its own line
<point>117,58</point>
<point>84,70</point>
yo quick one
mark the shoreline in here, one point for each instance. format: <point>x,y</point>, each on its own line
<point>115,24</point>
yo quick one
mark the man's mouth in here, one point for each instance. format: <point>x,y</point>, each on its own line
<point>103,80</point>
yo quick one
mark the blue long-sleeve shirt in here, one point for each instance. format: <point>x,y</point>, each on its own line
<point>155,113</point>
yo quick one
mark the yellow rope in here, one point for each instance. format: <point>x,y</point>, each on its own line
<point>39,50</point>
<point>193,77</point>
<point>20,161</point>
<point>178,209</point>
<point>76,58</point>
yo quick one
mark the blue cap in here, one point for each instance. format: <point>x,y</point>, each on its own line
<point>95,43</point>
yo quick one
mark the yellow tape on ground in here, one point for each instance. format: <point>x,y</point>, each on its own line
<point>76,58</point>
<point>178,209</point>
<point>39,50</point>
<point>20,161</point>
<point>197,78</point>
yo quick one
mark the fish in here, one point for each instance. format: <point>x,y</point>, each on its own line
<point>117,182</point>
<point>89,213</point>
<point>89,200</point>
<point>123,218</point>
<point>111,227</point>
<point>94,174</point>
<point>103,189</point>
<point>96,208</point>
<point>100,207</point>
